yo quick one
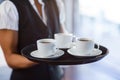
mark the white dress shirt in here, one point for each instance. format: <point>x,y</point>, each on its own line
<point>9,17</point>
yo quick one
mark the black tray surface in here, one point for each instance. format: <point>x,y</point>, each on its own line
<point>65,59</point>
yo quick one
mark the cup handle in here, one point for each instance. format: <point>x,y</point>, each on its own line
<point>74,38</point>
<point>98,46</point>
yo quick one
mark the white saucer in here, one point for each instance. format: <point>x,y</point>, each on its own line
<point>94,52</point>
<point>37,54</point>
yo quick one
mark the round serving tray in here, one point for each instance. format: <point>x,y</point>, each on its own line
<point>65,59</point>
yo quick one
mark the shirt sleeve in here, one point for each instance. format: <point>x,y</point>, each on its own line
<point>61,8</point>
<point>8,16</point>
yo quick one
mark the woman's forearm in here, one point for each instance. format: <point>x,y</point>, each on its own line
<point>9,42</point>
<point>16,61</point>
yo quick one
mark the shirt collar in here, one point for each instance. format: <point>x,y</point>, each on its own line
<point>32,1</point>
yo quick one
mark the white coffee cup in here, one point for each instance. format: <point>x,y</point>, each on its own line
<point>46,47</point>
<point>84,45</point>
<point>63,40</point>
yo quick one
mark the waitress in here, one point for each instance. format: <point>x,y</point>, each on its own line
<point>23,22</point>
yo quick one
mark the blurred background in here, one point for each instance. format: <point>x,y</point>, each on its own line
<point>97,19</point>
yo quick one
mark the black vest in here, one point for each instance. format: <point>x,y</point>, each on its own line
<point>32,28</point>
